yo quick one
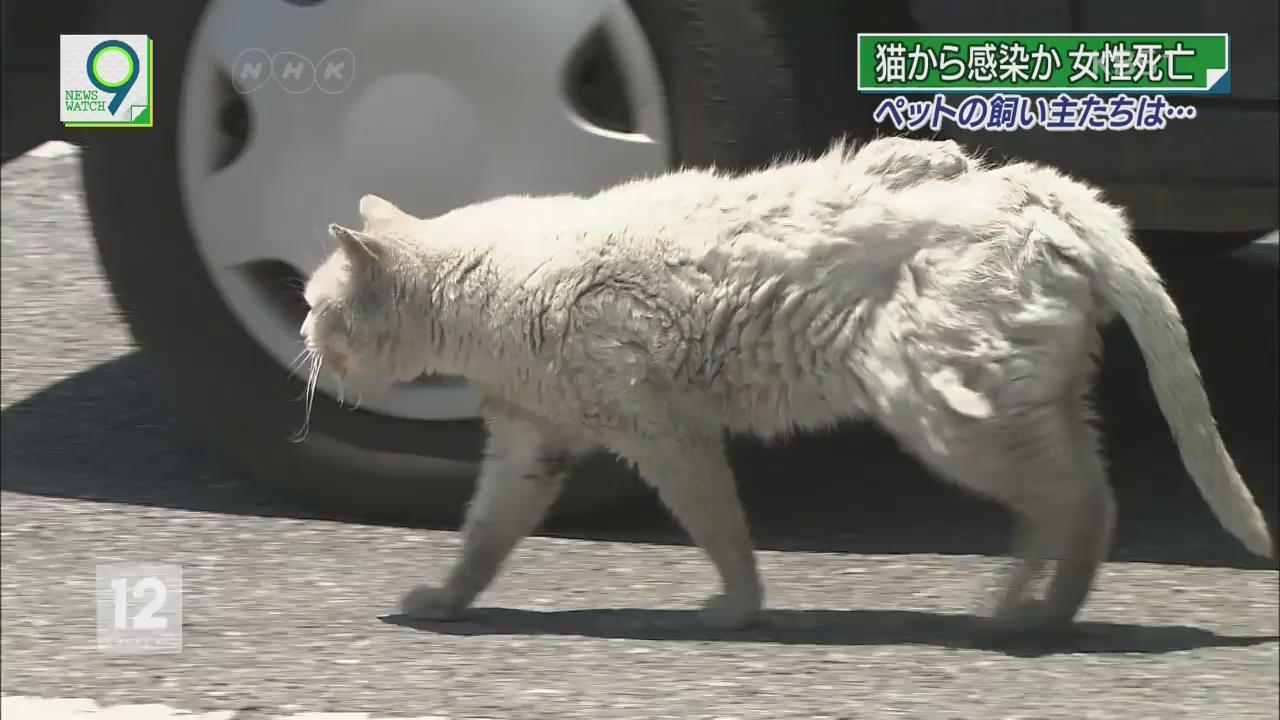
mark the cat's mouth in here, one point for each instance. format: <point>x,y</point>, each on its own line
<point>332,360</point>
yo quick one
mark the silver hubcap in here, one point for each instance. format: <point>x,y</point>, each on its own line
<point>291,111</point>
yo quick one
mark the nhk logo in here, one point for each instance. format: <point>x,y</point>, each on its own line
<point>105,81</point>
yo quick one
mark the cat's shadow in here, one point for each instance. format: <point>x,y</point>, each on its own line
<point>830,627</point>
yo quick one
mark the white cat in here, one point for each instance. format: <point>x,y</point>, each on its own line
<point>955,304</point>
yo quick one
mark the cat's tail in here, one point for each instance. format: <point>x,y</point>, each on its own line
<point>1126,279</point>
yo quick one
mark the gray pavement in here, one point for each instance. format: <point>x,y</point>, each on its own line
<point>873,569</point>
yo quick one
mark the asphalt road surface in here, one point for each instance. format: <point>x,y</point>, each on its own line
<point>874,571</point>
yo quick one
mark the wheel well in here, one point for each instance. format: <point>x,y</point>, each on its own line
<point>819,39</point>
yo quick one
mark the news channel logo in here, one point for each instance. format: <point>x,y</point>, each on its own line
<point>105,81</point>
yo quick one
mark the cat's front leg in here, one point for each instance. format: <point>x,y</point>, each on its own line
<point>691,473</point>
<point>520,478</point>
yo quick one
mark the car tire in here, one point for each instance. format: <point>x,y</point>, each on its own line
<point>755,81</point>
<point>730,90</point>
<point>356,463</point>
<point>353,463</point>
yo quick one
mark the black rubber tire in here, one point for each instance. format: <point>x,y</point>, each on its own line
<point>353,463</point>
<point>751,81</point>
<point>730,92</point>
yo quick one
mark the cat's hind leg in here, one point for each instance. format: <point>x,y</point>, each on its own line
<point>1035,453</point>
<point>1089,530</point>
<point>1043,463</point>
<point>520,477</point>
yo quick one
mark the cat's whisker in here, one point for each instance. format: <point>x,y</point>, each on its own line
<point>303,356</point>
<point>311,386</point>
<point>309,400</point>
<point>306,357</point>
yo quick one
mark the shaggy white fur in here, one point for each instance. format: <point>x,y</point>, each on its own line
<point>955,304</point>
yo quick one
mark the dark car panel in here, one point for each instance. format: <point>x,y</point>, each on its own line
<point>1217,172</point>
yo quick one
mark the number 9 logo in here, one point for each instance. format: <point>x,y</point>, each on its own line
<point>107,50</point>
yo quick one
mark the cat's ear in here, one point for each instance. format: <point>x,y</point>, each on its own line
<point>376,210</point>
<point>362,249</point>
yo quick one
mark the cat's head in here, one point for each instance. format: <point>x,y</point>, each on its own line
<point>357,300</point>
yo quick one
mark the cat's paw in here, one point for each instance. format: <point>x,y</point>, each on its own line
<point>1028,620</point>
<point>427,602</point>
<point>1025,614</point>
<point>730,612</point>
